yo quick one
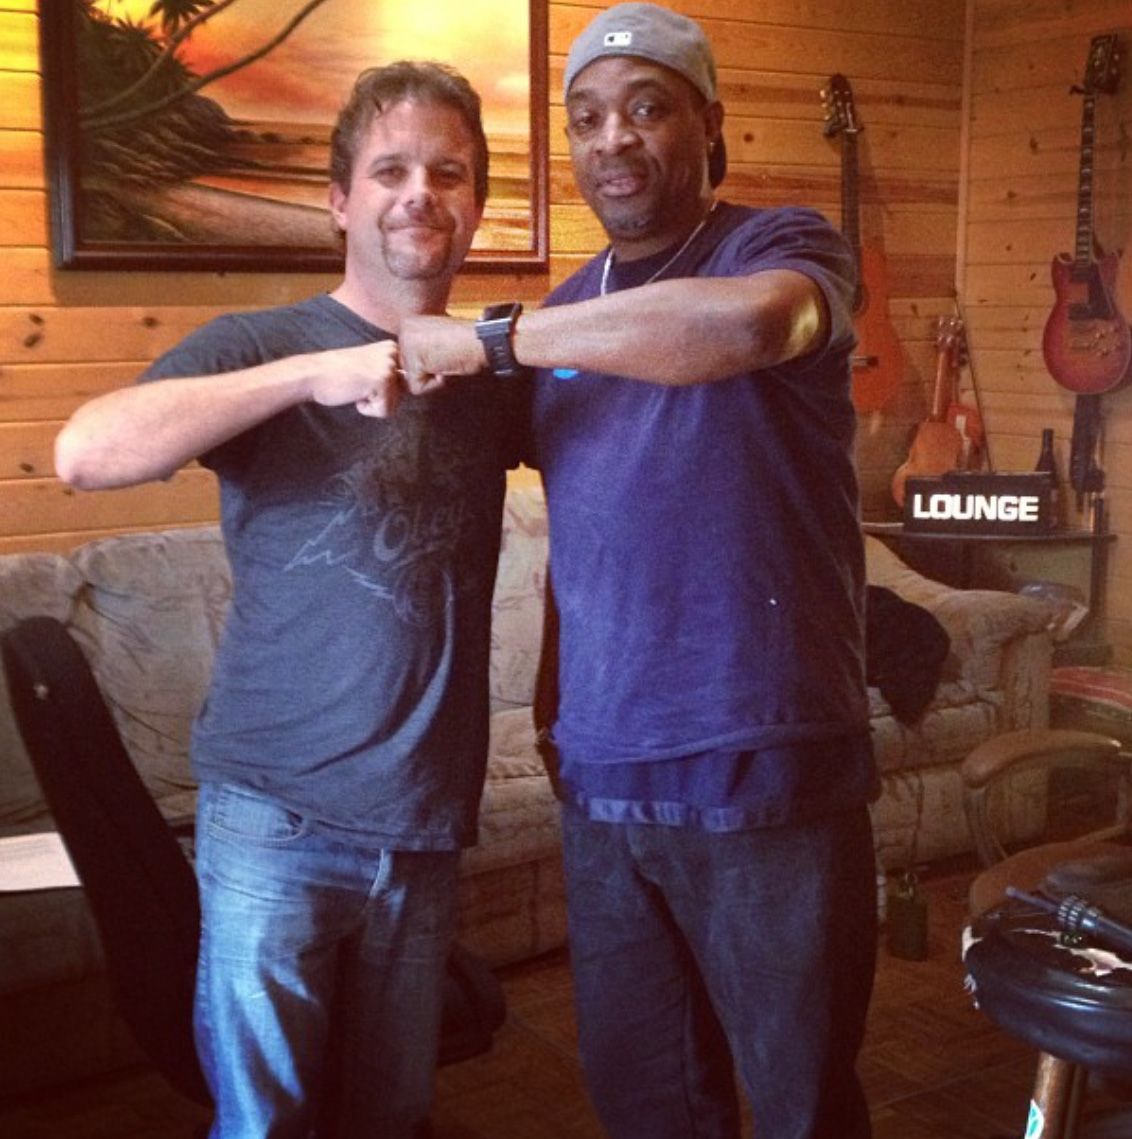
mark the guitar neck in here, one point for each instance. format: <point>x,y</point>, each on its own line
<point>850,193</point>
<point>1083,253</point>
<point>851,202</point>
<point>944,384</point>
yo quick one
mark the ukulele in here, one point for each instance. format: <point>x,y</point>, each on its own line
<point>1087,344</point>
<point>938,445</point>
<point>966,417</point>
<point>878,364</point>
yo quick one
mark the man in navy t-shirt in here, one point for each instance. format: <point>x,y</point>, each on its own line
<point>694,430</point>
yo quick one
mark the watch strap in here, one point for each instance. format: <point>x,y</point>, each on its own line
<point>495,328</point>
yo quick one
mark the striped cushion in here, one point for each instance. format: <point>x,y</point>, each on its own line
<point>1107,691</point>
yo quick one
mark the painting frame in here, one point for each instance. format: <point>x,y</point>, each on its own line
<point>74,249</point>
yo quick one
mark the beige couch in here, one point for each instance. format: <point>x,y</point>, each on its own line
<point>996,679</point>
<point>147,609</point>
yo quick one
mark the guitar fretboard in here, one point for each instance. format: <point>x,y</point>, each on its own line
<point>1084,248</point>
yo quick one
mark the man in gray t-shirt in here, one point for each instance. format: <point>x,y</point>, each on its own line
<point>342,745</point>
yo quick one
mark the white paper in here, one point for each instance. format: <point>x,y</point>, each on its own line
<point>35,862</point>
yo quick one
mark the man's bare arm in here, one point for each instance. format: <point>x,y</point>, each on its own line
<point>687,331</point>
<point>148,431</point>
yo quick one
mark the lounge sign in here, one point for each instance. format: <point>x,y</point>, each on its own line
<point>978,503</point>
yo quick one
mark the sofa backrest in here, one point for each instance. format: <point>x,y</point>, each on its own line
<point>147,610</point>
<point>31,585</point>
<point>981,623</point>
<point>148,619</point>
<point>520,585</point>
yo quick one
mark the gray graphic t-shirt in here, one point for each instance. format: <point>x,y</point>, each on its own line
<point>351,677</point>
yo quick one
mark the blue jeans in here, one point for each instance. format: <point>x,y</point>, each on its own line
<point>320,979</point>
<point>692,951</point>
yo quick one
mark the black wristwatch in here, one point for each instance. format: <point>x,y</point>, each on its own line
<point>494,328</point>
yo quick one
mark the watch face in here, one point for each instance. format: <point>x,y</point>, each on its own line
<point>508,311</point>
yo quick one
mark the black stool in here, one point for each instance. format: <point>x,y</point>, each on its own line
<point>1051,995</point>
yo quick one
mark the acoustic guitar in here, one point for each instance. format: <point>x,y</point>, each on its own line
<point>1087,344</point>
<point>938,445</point>
<point>878,364</point>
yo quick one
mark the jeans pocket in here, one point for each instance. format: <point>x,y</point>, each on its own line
<point>239,813</point>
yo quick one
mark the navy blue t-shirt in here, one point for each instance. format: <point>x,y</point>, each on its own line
<point>351,678</point>
<point>707,561</point>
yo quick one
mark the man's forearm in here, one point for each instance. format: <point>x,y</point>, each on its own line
<point>672,332</point>
<point>677,332</point>
<point>150,430</point>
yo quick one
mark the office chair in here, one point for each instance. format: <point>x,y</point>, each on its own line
<point>135,872</point>
<point>1026,912</point>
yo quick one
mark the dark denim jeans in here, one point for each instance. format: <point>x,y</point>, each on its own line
<point>691,950</point>
<point>320,981</point>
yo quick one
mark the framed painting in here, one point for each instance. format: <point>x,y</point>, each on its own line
<point>194,134</point>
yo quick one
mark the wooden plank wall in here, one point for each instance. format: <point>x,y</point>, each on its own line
<point>65,336</point>
<point>1023,160</point>
<point>904,61</point>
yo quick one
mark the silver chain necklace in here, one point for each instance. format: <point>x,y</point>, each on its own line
<point>608,266</point>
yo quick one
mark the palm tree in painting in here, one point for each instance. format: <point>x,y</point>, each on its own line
<point>175,13</point>
<point>144,124</point>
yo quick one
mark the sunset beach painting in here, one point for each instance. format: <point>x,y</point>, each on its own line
<point>195,133</point>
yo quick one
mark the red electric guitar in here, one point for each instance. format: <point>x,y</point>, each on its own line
<point>878,364</point>
<point>1087,343</point>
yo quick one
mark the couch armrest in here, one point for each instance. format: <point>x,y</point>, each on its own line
<point>984,624</point>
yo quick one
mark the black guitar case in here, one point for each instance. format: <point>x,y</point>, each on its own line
<point>135,870</point>
<point>138,882</point>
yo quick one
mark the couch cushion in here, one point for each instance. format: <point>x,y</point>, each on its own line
<point>921,818</point>
<point>1102,691</point>
<point>519,817</point>
<point>516,629</point>
<point>958,720</point>
<point>149,621</point>
<point>36,585</point>
<point>31,585</point>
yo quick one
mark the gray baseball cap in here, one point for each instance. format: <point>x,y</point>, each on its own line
<point>656,34</point>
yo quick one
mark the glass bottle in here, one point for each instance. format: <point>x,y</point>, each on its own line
<point>1047,464</point>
